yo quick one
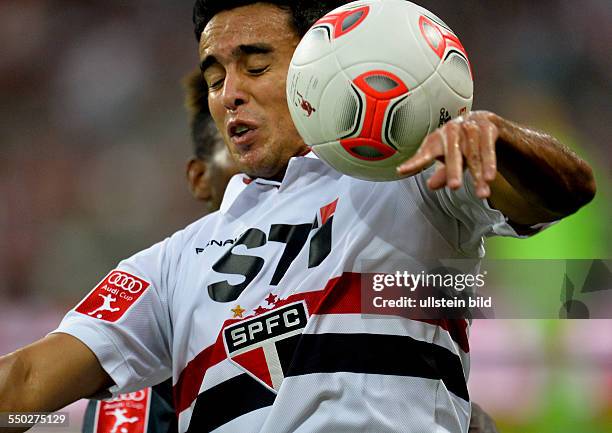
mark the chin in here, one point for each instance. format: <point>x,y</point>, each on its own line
<point>264,171</point>
<point>257,168</point>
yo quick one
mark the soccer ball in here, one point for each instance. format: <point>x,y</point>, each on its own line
<point>371,79</point>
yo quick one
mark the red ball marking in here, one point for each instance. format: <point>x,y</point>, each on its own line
<point>336,20</point>
<point>362,83</point>
<point>433,36</point>
<point>376,103</point>
<point>444,39</point>
<point>350,145</point>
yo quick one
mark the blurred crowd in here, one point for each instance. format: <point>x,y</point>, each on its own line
<point>93,138</point>
<point>94,135</point>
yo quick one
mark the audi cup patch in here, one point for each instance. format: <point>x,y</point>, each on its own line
<point>127,413</point>
<point>115,294</point>
<point>263,345</point>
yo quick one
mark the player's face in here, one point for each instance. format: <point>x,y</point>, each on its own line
<point>245,54</point>
<point>207,178</point>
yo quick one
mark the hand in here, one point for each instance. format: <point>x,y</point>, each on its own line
<point>467,140</point>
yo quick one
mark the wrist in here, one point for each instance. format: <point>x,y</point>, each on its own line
<point>506,131</point>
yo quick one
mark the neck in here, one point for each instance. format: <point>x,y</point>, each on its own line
<point>278,177</point>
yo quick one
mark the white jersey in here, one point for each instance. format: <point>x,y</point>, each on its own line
<point>255,309</point>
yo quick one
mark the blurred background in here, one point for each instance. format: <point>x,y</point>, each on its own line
<point>94,139</point>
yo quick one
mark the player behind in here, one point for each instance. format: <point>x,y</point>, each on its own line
<point>255,310</point>
<point>210,168</point>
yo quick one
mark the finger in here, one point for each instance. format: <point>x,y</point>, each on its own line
<point>472,153</point>
<point>452,154</point>
<point>431,148</point>
<point>438,179</point>
<point>489,134</point>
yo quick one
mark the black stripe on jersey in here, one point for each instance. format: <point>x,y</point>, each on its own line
<point>228,400</point>
<point>286,349</point>
<point>379,354</point>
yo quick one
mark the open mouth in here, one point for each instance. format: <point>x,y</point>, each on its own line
<point>242,133</point>
<point>239,131</point>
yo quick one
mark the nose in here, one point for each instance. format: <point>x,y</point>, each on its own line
<point>234,92</point>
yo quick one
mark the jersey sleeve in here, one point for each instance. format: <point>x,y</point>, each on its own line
<point>465,218</point>
<point>125,320</point>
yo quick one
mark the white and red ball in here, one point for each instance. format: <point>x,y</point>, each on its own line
<point>371,79</point>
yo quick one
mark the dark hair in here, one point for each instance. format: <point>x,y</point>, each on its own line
<point>303,13</point>
<point>204,134</point>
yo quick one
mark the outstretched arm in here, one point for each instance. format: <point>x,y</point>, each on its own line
<point>48,375</point>
<point>528,175</point>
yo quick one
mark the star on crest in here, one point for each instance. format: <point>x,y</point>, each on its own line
<point>238,311</point>
<point>271,299</point>
<point>260,310</point>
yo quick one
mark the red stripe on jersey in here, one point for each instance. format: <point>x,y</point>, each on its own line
<point>345,298</point>
<point>188,385</point>
<point>328,210</point>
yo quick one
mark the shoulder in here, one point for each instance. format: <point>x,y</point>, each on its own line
<point>168,252</point>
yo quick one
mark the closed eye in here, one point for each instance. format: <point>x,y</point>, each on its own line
<point>215,84</point>
<point>258,71</point>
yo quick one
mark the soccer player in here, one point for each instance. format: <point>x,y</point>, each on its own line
<point>255,309</point>
<point>208,172</point>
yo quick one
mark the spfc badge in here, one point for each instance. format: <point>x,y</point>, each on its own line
<point>264,345</point>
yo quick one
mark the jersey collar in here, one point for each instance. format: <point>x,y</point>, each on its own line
<point>300,170</point>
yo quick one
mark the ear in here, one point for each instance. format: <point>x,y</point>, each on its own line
<point>197,179</point>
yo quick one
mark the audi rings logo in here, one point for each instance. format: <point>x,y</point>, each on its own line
<point>132,396</point>
<point>125,282</point>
